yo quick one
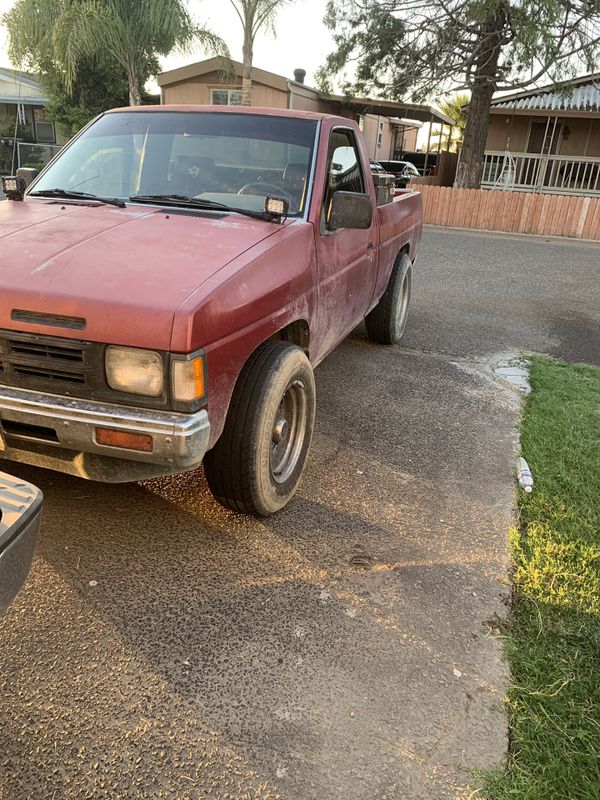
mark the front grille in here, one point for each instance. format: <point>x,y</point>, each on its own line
<point>50,374</point>
<point>67,367</point>
<point>27,361</point>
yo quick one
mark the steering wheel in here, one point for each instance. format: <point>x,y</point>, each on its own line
<point>270,187</point>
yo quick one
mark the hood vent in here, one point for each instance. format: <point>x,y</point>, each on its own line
<point>53,320</point>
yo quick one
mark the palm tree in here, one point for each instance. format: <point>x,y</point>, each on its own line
<point>132,32</point>
<point>254,15</point>
<point>453,107</point>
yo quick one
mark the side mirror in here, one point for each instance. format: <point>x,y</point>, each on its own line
<point>350,210</point>
<point>28,174</point>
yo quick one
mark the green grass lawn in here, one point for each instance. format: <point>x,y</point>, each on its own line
<point>553,632</point>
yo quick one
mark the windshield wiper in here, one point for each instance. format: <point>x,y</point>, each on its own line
<point>68,194</point>
<point>198,202</point>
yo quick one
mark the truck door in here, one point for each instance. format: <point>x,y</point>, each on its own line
<point>347,258</point>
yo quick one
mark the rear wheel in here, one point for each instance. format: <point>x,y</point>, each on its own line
<point>256,465</point>
<point>387,321</point>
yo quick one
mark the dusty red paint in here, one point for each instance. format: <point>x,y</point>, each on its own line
<point>125,270</point>
<point>146,279</point>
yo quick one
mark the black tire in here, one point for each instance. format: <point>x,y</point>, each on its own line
<point>256,465</point>
<point>387,321</point>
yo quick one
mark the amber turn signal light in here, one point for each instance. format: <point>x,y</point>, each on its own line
<point>188,379</point>
<point>142,442</point>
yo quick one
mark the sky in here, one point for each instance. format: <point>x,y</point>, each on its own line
<point>302,40</point>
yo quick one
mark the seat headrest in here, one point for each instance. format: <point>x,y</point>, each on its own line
<point>201,164</point>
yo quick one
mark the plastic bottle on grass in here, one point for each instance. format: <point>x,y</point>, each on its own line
<point>524,475</point>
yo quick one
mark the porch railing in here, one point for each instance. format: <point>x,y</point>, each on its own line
<point>534,172</point>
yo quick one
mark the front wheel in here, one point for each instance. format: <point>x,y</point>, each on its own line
<point>387,321</point>
<point>256,465</point>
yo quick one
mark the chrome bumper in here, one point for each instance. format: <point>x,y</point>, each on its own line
<point>60,433</point>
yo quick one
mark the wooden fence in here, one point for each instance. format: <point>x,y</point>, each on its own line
<point>512,212</point>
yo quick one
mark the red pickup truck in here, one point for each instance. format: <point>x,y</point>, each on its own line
<point>172,278</point>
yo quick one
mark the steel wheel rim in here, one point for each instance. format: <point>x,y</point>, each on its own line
<point>404,303</point>
<point>288,432</point>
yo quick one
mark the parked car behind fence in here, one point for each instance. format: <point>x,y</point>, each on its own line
<point>402,171</point>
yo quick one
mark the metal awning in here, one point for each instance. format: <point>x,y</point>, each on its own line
<point>24,101</point>
<point>579,96</point>
<point>582,98</point>
<point>388,108</point>
<point>406,123</point>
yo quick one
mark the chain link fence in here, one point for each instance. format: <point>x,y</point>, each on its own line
<point>35,155</point>
<point>24,154</point>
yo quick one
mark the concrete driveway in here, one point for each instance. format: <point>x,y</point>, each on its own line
<point>343,650</point>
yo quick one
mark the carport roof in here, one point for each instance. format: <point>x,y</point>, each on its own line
<point>388,108</point>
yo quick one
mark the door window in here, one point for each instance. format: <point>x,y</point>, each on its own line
<point>344,172</point>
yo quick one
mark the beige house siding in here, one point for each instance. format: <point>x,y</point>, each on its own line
<point>584,138</point>
<point>371,126</point>
<point>303,98</point>
<point>197,91</point>
<point>268,97</point>
<point>192,85</point>
<point>378,136</point>
<point>508,132</point>
<point>190,92</point>
<point>512,132</point>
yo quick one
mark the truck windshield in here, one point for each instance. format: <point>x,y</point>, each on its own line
<point>230,158</point>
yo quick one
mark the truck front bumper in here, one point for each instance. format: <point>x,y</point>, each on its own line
<point>59,433</point>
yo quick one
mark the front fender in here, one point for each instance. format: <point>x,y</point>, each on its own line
<point>243,305</point>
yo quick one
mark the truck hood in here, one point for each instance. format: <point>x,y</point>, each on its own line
<point>125,271</point>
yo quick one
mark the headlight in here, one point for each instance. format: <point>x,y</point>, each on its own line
<point>188,379</point>
<point>134,371</point>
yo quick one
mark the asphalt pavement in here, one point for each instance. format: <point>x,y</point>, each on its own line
<point>344,649</point>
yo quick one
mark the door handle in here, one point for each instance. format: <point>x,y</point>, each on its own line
<point>371,245</point>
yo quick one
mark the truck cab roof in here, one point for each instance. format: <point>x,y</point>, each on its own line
<point>252,110</point>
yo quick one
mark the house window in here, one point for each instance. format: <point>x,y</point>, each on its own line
<point>44,132</point>
<point>226,97</point>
